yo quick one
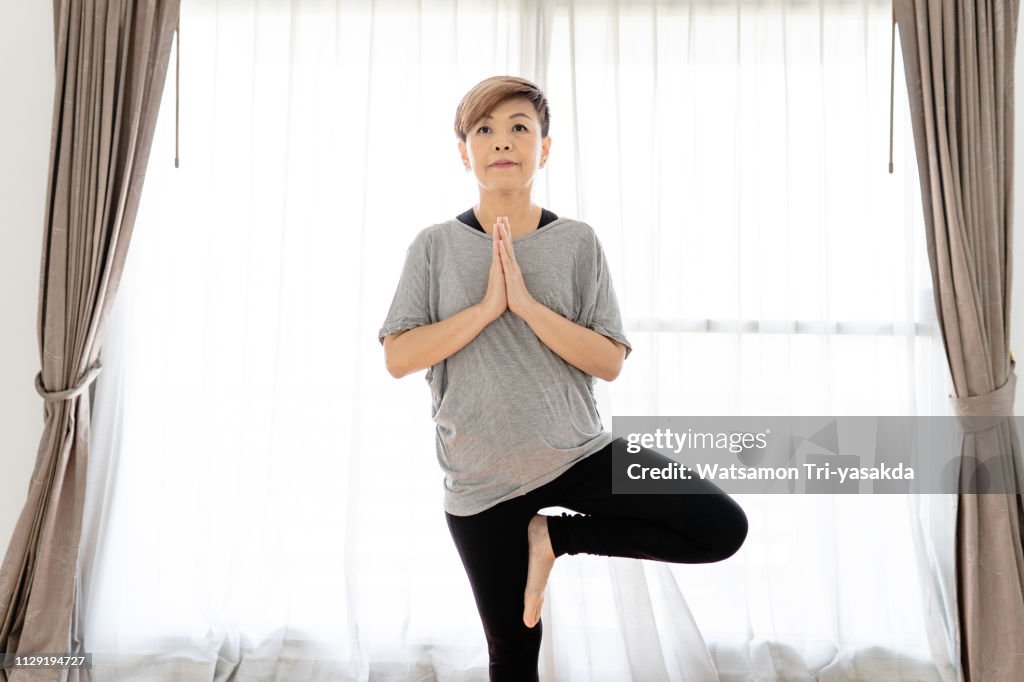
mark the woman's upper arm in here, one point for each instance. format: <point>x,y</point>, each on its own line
<point>599,306</point>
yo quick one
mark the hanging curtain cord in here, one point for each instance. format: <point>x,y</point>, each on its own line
<point>177,85</point>
<point>892,78</point>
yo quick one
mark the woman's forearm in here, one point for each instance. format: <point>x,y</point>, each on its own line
<point>421,347</point>
<point>582,348</point>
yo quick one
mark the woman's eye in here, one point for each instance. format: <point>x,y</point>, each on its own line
<point>518,125</point>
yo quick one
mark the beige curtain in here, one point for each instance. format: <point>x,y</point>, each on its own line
<point>111,61</point>
<point>959,62</point>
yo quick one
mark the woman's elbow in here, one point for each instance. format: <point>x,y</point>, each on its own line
<point>394,371</point>
<point>394,368</point>
<point>616,364</point>
<point>611,372</point>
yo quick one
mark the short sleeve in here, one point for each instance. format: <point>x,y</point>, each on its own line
<point>410,306</point>
<point>599,307</point>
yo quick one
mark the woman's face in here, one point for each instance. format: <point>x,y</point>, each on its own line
<point>510,133</point>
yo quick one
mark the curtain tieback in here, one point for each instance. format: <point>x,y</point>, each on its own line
<point>982,412</point>
<point>74,391</point>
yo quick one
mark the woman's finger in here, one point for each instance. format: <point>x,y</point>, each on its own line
<point>508,233</point>
<point>507,263</point>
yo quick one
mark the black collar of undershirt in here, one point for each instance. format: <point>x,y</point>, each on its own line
<point>469,218</point>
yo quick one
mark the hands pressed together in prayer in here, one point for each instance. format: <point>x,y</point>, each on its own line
<point>505,286</point>
<point>579,346</point>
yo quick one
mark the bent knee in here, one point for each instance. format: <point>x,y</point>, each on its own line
<point>734,531</point>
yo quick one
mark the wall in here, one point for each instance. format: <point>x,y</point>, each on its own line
<point>26,81</point>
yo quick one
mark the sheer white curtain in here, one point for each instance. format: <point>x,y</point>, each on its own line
<point>265,499</point>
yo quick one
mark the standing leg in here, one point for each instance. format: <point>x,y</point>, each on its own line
<point>494,549</point>
<point>700,524</point>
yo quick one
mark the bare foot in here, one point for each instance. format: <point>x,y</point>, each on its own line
<point>542,558</point>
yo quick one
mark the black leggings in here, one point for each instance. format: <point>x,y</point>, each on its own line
<point>678,528</point>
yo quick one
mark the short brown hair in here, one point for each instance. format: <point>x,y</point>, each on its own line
<point>486,95</point>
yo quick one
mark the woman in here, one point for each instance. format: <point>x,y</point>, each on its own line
<point>512,311</point>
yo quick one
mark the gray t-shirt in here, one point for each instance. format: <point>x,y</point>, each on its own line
<point>511,414</point>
